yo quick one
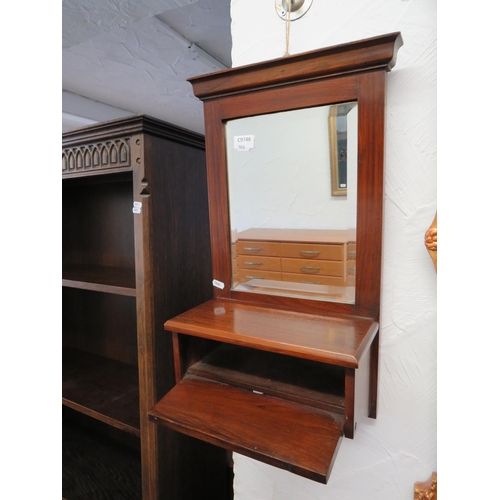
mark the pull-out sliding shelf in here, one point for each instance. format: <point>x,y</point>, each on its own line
<point>279,386</point>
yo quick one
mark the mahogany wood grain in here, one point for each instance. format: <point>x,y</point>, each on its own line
<point>339,341</point>
<point>336,333</point>
<point>255,425</point>
<point>192,350</point>
<point>218,200</point>
<point>371,116</point>
<point>295,379</point>
<point>376,52</point>
<point>370,179</point>
<point>177,357</point>
<point>357,400</point>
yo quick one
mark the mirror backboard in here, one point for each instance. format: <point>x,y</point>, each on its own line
<point>293,230</point>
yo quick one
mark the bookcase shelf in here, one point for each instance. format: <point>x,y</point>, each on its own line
<point>101,388</point>
<point>117,280</point>
<point>134,232</point>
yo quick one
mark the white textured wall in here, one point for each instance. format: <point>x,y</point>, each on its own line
<point>398,448</point>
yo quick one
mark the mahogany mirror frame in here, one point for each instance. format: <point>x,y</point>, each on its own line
<point>349,72</point>
<point>295,329</point>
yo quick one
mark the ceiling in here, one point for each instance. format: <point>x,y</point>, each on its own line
<point>135,57</point>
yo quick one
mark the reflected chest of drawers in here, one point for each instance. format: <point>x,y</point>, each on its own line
<point>312,256</point>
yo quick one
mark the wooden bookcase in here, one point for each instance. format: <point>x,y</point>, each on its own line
<point>282,374</point>
<point>136,249</point>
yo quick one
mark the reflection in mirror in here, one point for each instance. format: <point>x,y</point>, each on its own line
<point>337,128</point>
<point>291,235</point>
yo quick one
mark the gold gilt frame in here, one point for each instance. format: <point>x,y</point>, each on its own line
<point>334,156</point>
<point>426,490</point>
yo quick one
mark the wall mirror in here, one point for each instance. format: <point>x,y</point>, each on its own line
<point>284,358</point>
<point>292,218</point>
<point>295,152</point>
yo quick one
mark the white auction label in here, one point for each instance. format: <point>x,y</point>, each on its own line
<point>243,142</point>
<point>218,284</point>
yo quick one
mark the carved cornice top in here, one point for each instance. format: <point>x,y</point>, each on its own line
<point>371,53</point>
<point>99,156</point>
<point>125,127</point>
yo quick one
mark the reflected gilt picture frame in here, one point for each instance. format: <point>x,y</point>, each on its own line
<point>338,155</point>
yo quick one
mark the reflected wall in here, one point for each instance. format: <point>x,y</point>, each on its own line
<point>282,189</point>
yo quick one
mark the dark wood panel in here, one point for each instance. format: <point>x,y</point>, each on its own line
<point>299,380</point>
<point>295,437</point>
<point>104,389</point>
<point>196,470</point>
<point>166,245</point>
<point>101,279</point>
<point>97,223</point>
<point>136,124</point>
<point>100,323</point>
<point>97,467</point>
<point>339,341</point>
<point>173,274</point>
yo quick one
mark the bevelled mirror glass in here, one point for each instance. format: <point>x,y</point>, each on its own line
<point>292,182</point>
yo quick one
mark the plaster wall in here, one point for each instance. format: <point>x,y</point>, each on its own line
<point>398,448</point>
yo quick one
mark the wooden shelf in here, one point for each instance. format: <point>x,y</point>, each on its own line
<point>280,388</point>
<point>96,466</point>
<point>329,339</point>
<point>260,426</point>
<point>101,388</point>
<point>116,280</point>
<point>276,417</point>
<point>294,379</point>
<point>135,251</point>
